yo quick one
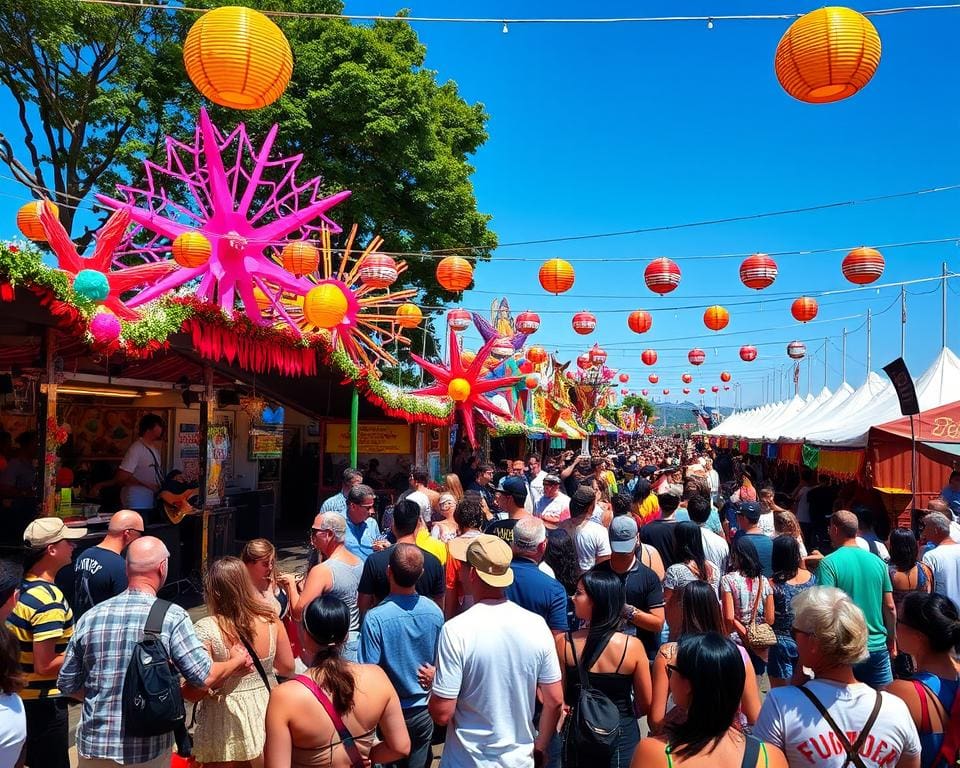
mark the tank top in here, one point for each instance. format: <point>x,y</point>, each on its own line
<point>616,686</point>
<point>346,583</point>
<point>945,691</point>
<point>900,594</point>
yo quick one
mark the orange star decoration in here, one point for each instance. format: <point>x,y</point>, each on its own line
<point>462,384</point>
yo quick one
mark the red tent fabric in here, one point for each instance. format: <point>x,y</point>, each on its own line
<point>938,425</point>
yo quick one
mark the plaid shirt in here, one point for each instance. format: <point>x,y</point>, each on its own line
<point>96,663</point>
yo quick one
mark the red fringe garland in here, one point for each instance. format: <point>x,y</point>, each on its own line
<point>400,413</point>
<point>259,355</point>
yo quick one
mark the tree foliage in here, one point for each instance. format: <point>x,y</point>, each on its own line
<point>639,404</point>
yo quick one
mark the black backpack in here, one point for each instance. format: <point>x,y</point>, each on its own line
<point>152,702</point>
<point>593,727</point>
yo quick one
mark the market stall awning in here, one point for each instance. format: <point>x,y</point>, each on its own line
<point>938,425</point>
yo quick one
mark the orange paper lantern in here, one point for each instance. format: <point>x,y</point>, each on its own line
<point>556,276</point>
<point>662,275</point>
<point>716,318</point>
<point>325,306</point>
<point>724,376</point>
<point>804,309</point>
<point>758,271</point>
<point>454,273</point>
<point>238,58</point>
<point>537,355</point>
<point>191,249</point>
<point>624,378</point>
<point>639,321</point>
<point>28,220</point>
<point>409,315</point>
<point>863,266</point>
<point>300,258</point>
<point>827,55</point>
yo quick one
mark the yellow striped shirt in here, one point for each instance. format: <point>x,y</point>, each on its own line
<point>41,613</point>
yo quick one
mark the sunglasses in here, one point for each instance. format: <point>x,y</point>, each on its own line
<point>315,531</point>
<point>794,631</point>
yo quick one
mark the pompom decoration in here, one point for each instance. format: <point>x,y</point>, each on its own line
<point>863,265</point>
<point>716,318</point>
<point>92,285</point>
<point>325,306</point>
<point>796,350</point>
<point>648,357</point>
<point>28,220</point>
<point>105,328</point>
<point>662,275</point>
<point>639,321</point>
<point>758,271</point>
<point>556,276</point>
<point>409,315</point>
<point>724,376</point>
<point>300,258</point>
<point>748,353</point>
<point>827,55</point>
<point>191,249</point>
<point>238,58</point>
<point>804,309</point>
<point>458,319</point>
<point>454,273</point>
<point>378,271</point>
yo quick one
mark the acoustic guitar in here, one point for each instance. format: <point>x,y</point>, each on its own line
<point>179,505</point>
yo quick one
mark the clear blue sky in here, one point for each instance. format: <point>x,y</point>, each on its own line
<point>599,128</point>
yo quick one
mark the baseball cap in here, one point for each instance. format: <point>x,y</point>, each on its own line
<point>50,530</point>
<point>552,479</point>
<point>490,556</point>
<point>648,470</point>
<point>623,534</point>
<point>750,510</point>
<point>513,486</point>
<point>582,499</point>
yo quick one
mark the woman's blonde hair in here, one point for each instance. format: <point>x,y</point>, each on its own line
<point>257,549</point>
<point>786,522</point>
<point>839,626</point>
<point>233,601</point>
<point>453,486</point>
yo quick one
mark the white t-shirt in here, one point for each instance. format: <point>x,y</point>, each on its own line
<point>490,659</point>
<point>423,501</point>
<point>13,728</point>
<point>591,541</point>
<point>789,721</point>
<point>766,526</point>
<point>944,561</point>
<point>715,549</point>
<point>553,510</point>
<point>535,484</point>
<point>144,463</point>
<point>881,552</point>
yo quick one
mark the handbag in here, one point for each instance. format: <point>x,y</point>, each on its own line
<point>759,635</point>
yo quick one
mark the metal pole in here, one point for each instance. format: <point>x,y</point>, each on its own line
<point>354,425</point>
<point>826,368</point>
<point>903,320</point>
<point>843,358</point>
<point>943,307</point>
<point>869,334</point>
<point>913,463</point>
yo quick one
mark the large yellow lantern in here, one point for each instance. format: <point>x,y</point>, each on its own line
<point>28,220</point>
<point>191,249</point>
<point>325,306</point>
<point>827,55</point>
<point>409,315</point>
<point>238,58</point>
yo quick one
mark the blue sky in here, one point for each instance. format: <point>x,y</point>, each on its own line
<point>600,128</point>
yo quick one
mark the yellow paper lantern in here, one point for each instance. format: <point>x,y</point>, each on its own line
<point>238,58</point>
<point>409,315</point>
<point>300,258</point>
<point>325,306</point>
<point>458,389</point>
<point>827,55</point>
<point>191,249</point>
<point>28,220</point>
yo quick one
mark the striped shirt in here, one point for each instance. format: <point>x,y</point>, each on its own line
<point>41,613</point>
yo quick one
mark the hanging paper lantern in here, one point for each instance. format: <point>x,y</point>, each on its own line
<point>105,328</point>
<point>238,58</point>
<point>191,249</point>
<point>409,315</point>
<point>748,353</point>
<point>624,392</point>
<point>686,378</point>
<point>458,319</point>
<point>644,392</point>
<point>92,285</point>
<point>556,276</point>
<point>597,355</point>
<point>661,275</point>
<point>454,273</point>
<point>28,220</point>
<point>458,390</point>
<point>804,309</point>
<point>686,391</point>
<point>724,376</point>
<point>726,389</point>
<point>702,391</point>
<point>378,270</point>
<point>796,350</point>
<point>502,348</point>
<point>714,388</point>
<point>532,381</point>
<point>527,322</point>
<point>583,361</point>
<point>262,300</point>
<point>863,265</point>
<point>827,55</point>
<point>639,321</point>
<point>584,323</point>
<point>649,357</point>
<point>325,306</point>
<point>300,258</point>
<point>696,356</point>
<point>537,355</point>
<point>666,391</point>
<point>624,378</point>
<point>758,271</point>
<point>716,318</point>
<point>653,378</point>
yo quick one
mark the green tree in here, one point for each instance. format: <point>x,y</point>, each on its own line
<point>640,405</point>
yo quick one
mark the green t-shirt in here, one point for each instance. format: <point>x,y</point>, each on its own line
<point>864,577</point>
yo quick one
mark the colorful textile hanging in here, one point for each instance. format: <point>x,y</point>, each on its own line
<point>811,456</point>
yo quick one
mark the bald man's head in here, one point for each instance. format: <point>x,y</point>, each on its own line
<point>938,505</point>
<point>125,520</point>
<point>145,556</point>
<point>845,523</point>
<point>406,564</point>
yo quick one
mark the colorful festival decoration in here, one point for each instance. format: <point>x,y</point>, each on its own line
<point>725,376</point>
<point>462,383</point>
<point>827,55</point>
<point>583,361</point>
<point>662,275</point>
<point>584,323</point>
<point>796,350</point>
<point>458,319</point>
<point>686,378</point>
<point>758,271</point>
<point>863,265</point>
<point>648,357</point>
<point>556,276</point>
<point>527,322</point>
<point>716,318</point>
<point>191,249</point>
<point>409,315</point>
<point>454,273</point>
<point>696,356</point>
<point>537,355</point>
<point>624,392</point>
<point>639,321</point>
<point>532,381</point>
<point>238,58</point>
<point>804,309</point>
<point>653,378</point>
<point>378,270</point>
<point>597,355</point>
<point>300,258</point>
<point>748,353</point>
<point>702,391</point>
<point>105,328</point>
<point>624,378</point>
<point>28,219</point>
<point>666,391</point>
<point>686,390</point>
<point>714,389</point>
<point>644,392</point>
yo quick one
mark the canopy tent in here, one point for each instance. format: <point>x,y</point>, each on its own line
<point>770,428</point>
<point>736,424</point>
<point>787,430</point>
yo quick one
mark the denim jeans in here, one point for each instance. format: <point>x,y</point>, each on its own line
<point>875,670</point>
<point>420,727</point>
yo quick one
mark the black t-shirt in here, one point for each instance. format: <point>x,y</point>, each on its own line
<point>643,591</point>
<point>373,581</point>
<point>99,574</point>
<point>659,535</point>
<point>501,528</point>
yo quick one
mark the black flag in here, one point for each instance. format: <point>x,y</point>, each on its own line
<point>903,383</point>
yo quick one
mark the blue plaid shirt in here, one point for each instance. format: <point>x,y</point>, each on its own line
<point>96,662</point>
<point>336,503</point>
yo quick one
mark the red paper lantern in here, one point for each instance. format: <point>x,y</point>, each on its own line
<point>454,273</point>
<point>714,388</point>
<point>584,323</point>
<point>686,391</point>
<point>649,357</point>
<point>583,361</point>
<point>696,356</point>
<point>502,348</point>
<point>716,318</point>
<point>653,378</point>
<point>702,391</point>
<point>458,319</point>
<point>863,265</point>
<point>556,276</point>
<point>686,378</point>
<point>532,381</point>
<point>758,271</point>
<point>724,376</point>
<point>639,321</point>
<point>537,355</point>
<point>527,322</point>
<point>666,391</point>
<point>662,275</point>
<point>804,309</point>
<point>597,355</point>
<point>796,350</point>
<point>748,353</point>
<point>644,392</point>
<point>624,392</point>
<point>378,271</point>
<point>624,378</point>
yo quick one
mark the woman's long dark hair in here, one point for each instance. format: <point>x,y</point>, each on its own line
<point>785,558</point>
<point>327,621</point>
<point>714,668</point>
<point>641,490</point>
<point>608,596</point>
<point>699,609</point>
<point>688,545</point>
<point>561,556</point>
<point>745,558</point>
<point>903,549</point>
<point>935,616</point>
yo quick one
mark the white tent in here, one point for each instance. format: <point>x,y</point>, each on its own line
<point>773,430</point>
<point>761,427</point>
<point>735,425</point>
<point>798,426</point>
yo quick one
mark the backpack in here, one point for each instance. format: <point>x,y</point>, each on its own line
<point>152,702</point>
<point>593,727</point>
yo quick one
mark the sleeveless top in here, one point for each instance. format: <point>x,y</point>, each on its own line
<point>617,687</point>
<point>900,594</point>
<point>945,691</point>
<point>783,595</point>
<point>346,584</point>
<point>322,756</point>
<point>753,746</point>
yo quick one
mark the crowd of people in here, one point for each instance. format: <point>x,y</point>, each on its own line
<point>536,613</point>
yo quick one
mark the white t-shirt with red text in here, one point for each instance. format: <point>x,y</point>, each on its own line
<point>790,721</point>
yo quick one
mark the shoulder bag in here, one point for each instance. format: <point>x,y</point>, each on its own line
<point>759,634</point>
